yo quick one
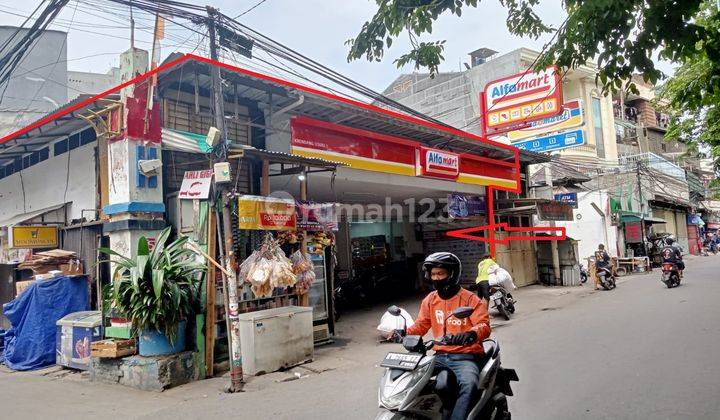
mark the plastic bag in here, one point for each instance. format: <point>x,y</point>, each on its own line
<point>300,263</point>
<point>260,272</point>
<point>501,277</point>
<point>247,266</point>
<point>390,323</point>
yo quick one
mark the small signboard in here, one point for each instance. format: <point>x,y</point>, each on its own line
<point>466,206</point>
<point>515,101</point>
<point>263,213</point>
<point>438,163</point>
<point>196,185</point>
<point>633,232</point>
<point>554,212</point>
<point>317,216</point>
<point>553,142</point>
<point>571,117</point>
<point>569,198</point>
<point>31,237</point>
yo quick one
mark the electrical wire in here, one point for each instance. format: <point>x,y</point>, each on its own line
<point>250,9</point>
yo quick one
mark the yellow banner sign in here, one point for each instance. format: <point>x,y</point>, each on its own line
<point>34,237</point>
<point>262,213</point>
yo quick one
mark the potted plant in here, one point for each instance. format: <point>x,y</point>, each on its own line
<point>156,290</point>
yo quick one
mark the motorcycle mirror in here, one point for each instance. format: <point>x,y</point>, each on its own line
<point>394,310</point>
<point>463,312</point>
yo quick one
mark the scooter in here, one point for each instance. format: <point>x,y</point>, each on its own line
<point>670,275</point>
<point>413,387</point>
<point>606,277</point>
<point>502,301</point>
<point>583,274</point>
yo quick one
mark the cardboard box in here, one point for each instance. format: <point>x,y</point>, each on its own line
<point>72,268</point>
<point>22,285</point>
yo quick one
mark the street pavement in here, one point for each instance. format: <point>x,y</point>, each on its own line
<point>641,351</point>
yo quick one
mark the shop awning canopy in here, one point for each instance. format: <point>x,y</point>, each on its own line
<point>184,141</point>
<point>20,218</point>
<point>637,218</point>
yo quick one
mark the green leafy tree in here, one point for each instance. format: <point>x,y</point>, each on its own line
<point>623,36</point>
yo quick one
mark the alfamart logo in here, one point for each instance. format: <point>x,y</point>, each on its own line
<point>526,84</point>
<point>439,160</point>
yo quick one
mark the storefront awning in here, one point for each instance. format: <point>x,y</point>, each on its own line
<point>29,215</point>
<point>625,218</point>
<point>184,141</point>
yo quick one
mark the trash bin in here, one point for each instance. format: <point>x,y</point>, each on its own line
<point>75,333</point>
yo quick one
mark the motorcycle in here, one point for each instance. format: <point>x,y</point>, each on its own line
<point>606,277</point>
<point>413,387</point>
<point>502,301</point>
<point>583,274</point>
<point>670,275</point>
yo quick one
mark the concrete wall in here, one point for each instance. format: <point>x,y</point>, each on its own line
<point>79,82</point>
<point>592,229</point>
<point>40,83</point>
<point>44,185</point>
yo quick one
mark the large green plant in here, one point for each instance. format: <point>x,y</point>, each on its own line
<point>155,289</point>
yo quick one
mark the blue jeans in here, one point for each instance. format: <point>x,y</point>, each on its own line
<point>467,374</point>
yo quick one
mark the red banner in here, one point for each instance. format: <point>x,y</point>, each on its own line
<point>633,232</point>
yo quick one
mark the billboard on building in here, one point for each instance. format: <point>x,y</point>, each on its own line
<point>571,117</point>
<point>514,102</point>
<point>552,142</point>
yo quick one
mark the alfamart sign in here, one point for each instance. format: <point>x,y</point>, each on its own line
<point>515,101</point>
<point>438,163</point>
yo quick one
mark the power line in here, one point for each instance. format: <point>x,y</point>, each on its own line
<point>250,9</point>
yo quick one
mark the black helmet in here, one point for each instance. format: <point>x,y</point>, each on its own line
<point>669,240</point>
<point>446,260</point>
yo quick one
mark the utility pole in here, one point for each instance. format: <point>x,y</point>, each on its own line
<point>231,283</point>
<point>553,244</point>
<point>642,206</point>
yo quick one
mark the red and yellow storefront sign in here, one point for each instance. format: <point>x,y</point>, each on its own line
<point>370,151</point>
<point>262,213</point>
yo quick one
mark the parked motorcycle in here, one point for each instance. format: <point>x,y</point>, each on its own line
<point>502,301</point>
<point>414,387</point>
<point>606,277</point>
<point>670,274</point>
<point>583,274</point>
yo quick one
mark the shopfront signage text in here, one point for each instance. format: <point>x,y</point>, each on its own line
<point>29,237</point>
<point>569,198</point>
<point>517,100</point>
<point>553,142</point>
<point>554,211</point>
<point>438,163</point>
<point>261,213</point>
<point>571,117</point>
<point>196,185</point>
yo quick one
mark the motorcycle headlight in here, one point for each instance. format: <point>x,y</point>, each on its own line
<point>391,398</point>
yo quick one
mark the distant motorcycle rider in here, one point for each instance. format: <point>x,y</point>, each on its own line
<point>602,261</point>
<point>672,254</point>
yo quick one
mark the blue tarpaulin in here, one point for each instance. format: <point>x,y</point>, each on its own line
<point>30,342</point>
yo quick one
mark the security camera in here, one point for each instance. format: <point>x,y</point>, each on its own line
<point>149,167</point>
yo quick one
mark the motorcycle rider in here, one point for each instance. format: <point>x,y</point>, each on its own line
<point>672,254</point>
<point>483,277</point>
<point>602,261</point>
<point>464,349</point>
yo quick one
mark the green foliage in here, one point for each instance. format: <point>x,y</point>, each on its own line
<point>622,36</point>
<point>156,289</point>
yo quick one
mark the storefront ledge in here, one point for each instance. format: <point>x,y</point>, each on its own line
<point>134,224</point>
<point>146,373</point>
<point>134,207</point>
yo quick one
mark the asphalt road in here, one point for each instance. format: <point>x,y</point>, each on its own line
<point>641,351</point>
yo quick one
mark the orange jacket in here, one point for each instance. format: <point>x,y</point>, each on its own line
<point>434,310</point>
